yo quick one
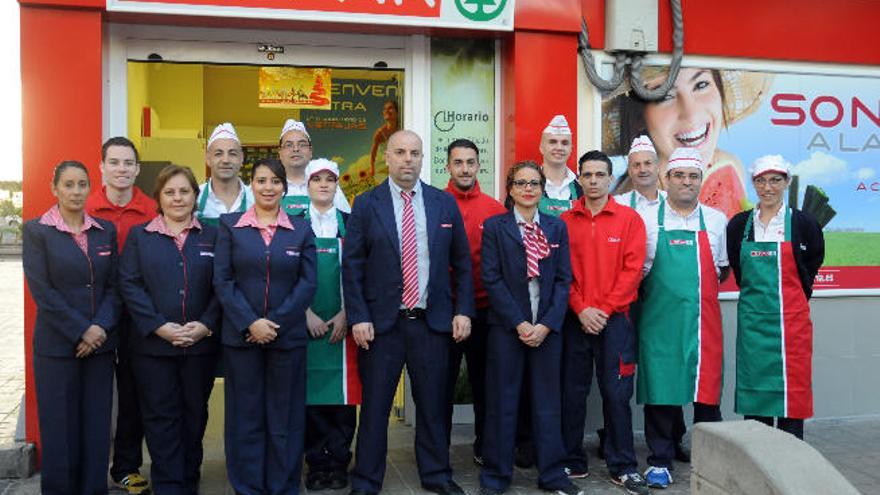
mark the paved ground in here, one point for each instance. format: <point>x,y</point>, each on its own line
<point>853,445</point>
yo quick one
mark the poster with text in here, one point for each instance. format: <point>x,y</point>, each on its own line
<point>295,87</point>
<point>826,126</point>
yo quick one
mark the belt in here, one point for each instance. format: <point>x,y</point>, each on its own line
<point>413,314</point>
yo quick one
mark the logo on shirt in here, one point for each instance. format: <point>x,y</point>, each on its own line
<point>762,254</point>
<point>613,239</point>
<point>681,242</point>
<point>446,225</point>
<point>206,253</point>
<point>291,252</point>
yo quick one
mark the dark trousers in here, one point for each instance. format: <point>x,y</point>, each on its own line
<point>329,433</point>
<point>789,425</point>
<point>614,354</point>
<point>128,442</point>
<point>509,364</point>
<point>426,355</point>
<point>662,426</point>
<point>74,404</point>
<point>174,393</point>
<point>265,419</point>
<point>474,350</point>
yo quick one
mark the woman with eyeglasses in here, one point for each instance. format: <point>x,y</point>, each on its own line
<point>265,278</point>
<point>775,252</point>
<point>165,278</point>
<point>69,261</point>
<point>526,271</point>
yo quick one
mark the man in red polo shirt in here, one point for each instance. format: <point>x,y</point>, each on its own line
<point>463,163</point>
<point>607,244</point>
<point>122,203</point>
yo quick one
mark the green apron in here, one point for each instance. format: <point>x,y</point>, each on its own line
<point>774,340</point>
<point>331,369</point>
<point>556,207</point>
<point>294,205</point>
<point>203,202</point>
<point>679,321</point>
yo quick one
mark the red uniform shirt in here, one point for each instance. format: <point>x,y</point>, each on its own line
<point>140,209</point>
<point>607,253</point>
<point>475,208</point>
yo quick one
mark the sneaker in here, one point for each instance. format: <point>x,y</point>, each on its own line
<point>569,489</point>
<point>658,477</point>
<point>633,483</point>
<point>134,484</point>
<point>576,474</point>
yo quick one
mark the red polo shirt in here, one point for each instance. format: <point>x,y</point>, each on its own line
<point>607,253</point>
<point>140,209</point>
<point>475,208</point>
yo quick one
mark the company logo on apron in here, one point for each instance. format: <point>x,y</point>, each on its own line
<point>556,208</point>
<point>762,254</point>
<point>326,250</point>
<point>681,242</point>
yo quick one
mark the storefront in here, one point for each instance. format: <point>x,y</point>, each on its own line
<point>165,72</point>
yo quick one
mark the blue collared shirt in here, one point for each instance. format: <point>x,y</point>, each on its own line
<point>423,256</point>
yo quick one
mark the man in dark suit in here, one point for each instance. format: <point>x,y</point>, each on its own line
<point>405,253</point>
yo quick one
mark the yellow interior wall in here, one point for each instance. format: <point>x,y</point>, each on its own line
<point>138,98</point>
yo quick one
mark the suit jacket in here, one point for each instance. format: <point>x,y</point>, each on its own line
<point>72,291</point>
<point>160,284</point>
<point>254,281</point>
<point>503,264</point>
<point>372,277</point>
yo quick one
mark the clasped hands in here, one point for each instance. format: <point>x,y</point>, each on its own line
<point>184,335</point>
<point>593,320</point>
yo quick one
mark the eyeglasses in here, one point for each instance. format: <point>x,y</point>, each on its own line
<point>522,183</point>
<point>681,176</point>
<point>773,181</point>
<point>299,145</point>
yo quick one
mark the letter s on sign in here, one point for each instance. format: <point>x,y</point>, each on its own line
<point>776,103</point>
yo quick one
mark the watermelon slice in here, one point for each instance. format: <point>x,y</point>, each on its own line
<point>723,190</point>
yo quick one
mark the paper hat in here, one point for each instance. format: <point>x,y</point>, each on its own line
<point>685,157</point>
<point>641,143</point>
<point>293,125</point>
<point>223,131</point>
<point>770,163</point>
<point>558,126</point>
<point>321,164</point>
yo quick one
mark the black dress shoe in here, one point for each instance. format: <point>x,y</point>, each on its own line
<point>450,488</point>
<point>358,491</point>
<point>600,450</point>
<point>682,454</point>
<point>317,480</point>
<point>337,479</point>
<point>524,456</point>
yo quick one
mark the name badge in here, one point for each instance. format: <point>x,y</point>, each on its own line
<point>291,252</point>
<point>446,225</point>
<point>104,253</point>
<point>554,246</point>
<point>206,253</point>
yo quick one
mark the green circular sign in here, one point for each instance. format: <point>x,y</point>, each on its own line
<point>483,12</point>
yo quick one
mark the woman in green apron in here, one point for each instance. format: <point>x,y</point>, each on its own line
<point>679,317</point>
<point>332,384</point>
<point>775,253</point>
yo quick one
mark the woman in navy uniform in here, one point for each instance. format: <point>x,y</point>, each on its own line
<point>70,262</point>
<point>165,278</point>
<point>265,278</point>
<point>527,272</point>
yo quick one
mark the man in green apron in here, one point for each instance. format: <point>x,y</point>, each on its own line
<point>332,384</point>
<point>679,320</point>
<point>295,152</point>
<point>562,185</point>
<point>775,253</point>
<point>224,191</point>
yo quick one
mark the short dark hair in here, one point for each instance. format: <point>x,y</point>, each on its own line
<point>166,174</point>
<point>64,165</point>
<point>275,167</point>
<point>595,156</point>
<point>462,143</point>
<point>119,141</point>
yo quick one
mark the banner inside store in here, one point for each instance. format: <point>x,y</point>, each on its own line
<point>826,126</point>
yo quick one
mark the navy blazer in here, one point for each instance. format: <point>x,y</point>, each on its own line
<point>372,277</point>
<point>503,266</point>
<point>254,281</point>
<point>159,284</point>
<point>72,291</point>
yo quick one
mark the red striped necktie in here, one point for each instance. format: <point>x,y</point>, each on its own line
<point>409,262</point>
<point>536,248</point>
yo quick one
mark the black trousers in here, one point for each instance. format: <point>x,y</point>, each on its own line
<point>789,425</point>
<point>329,433</point>
<point>474,350</point>
<point>128,442</point>
<point>662,425</point>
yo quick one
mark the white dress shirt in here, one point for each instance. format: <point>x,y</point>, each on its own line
<point>561,191</point>
<point>324,224</point>
<point>716,227</point>
<point>644,206</point>
<point>214,206</point>
<point>339,200</point>
<point>534,283</point>
<point>423,255</point>
<point>773,231</point>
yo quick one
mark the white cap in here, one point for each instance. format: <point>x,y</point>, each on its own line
<point>771,163</point>
<point>293,125</point>
<point>558,125</point>
<point>223,131</point>
<point>641,143</point>
<point>320,164</point>
<point>685,157</point>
